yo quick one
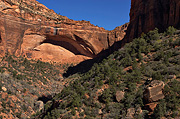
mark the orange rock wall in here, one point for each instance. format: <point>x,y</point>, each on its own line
<point>145,15</point>
<point>31,29</point>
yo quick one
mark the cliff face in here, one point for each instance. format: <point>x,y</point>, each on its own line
<point>31,29</point>
<point>145,15</point>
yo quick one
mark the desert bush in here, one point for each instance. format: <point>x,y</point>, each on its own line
<point>153,35</point>
<point>170,31</point>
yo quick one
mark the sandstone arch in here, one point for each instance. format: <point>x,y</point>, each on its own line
<point>77,46</point>
<point>67,41</point>
<point>64,44</point>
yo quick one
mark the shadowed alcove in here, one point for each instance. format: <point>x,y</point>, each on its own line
<point>76,47</point>
<point>63,44</point>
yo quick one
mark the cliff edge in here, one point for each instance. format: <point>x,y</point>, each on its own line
<point>145,15</point>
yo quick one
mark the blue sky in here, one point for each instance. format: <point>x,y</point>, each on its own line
<point>104,13</point>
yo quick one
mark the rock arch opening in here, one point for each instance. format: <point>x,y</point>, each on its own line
<point>68,43</point>
<point>63,44</point>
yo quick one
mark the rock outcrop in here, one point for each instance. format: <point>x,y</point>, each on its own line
<point>130,113</point>
<point>29,28</point>
<point>154,92</point>
<point>145,15</point>
<point>39,105</point>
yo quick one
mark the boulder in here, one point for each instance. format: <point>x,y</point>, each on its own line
<point>130,113</point>
<point>139,111</point>
<point>4,89</point>
<point>39,105</point>
<point>153,92</point>
<point>119,95</point>
<point>100,111</point>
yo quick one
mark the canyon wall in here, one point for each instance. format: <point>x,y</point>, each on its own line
<point>29,28</point>
<point>145,15</point>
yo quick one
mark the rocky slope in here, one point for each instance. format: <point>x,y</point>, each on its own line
<point>23,83</point>
<point>145,15</point>
<point>139,81</point>
<point>31,29</point>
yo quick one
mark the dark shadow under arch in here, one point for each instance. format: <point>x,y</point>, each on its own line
<point>75,46</point>
<point>63,44</point>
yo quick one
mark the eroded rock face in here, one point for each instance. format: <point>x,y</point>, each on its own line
<point>31,29</point>
<point>154,92</point>
<point>145,15</point>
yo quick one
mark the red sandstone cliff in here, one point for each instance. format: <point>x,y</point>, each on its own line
<point>31,29</point>
<point>145,15</point>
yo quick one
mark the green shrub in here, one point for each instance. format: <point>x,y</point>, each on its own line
<point>153,35</point>
<point>160,110</point>
<point>170,31</point>
<point>73,111</point>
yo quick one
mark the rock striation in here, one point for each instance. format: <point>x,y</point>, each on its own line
<point>29,28</point>
<point>145,15</point>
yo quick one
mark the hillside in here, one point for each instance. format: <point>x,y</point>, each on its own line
<point>140,80</point>
<point>23,82</point>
